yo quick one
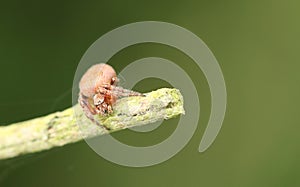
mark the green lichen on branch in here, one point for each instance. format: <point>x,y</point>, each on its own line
<point>71,125</point>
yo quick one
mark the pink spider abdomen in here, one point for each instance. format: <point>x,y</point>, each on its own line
<point>95,77</point>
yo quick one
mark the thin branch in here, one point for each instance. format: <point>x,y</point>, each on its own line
<point>71,125</point>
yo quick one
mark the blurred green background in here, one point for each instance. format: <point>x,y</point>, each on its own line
<point>255,42</point>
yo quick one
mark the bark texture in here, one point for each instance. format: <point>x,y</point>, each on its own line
<point>71,125</point>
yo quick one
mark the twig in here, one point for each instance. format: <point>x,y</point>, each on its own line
<point>71,125</point>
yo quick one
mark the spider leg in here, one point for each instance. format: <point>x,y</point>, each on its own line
<point>107,97</point>
<point>99,103</point>
<point>84,103</point>
<point>106,106</point>
<point>98,99</point>
<point>87,109</point>
<point>109,109</point>
<point>122,92</point>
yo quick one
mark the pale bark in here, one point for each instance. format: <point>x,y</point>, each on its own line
<point>71,125</point>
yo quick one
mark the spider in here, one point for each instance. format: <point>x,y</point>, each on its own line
<point>99,91</point>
